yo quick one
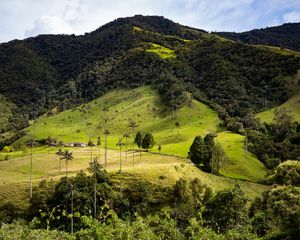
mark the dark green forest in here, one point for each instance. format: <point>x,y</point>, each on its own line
<point>285,36</point>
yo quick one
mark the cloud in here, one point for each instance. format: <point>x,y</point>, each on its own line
<point>49,25</point>
<point>292,16</point>
<point>19,19</point>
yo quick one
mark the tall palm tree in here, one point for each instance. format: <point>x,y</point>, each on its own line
<point>132,126</point>
<point>120,144</point>
<point>94,168</point>
<point>126,136</point>
<point>31,144</point>
<point>106,133</point>
<point>67,156</point>
<point>59,153</point>
<point>73,193</point>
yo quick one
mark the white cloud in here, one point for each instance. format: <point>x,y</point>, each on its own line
<point>23,18</point>
<point>49,25</point>
<point>292,16</point>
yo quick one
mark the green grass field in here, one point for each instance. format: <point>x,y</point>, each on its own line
<point>292,105</point>
<point>238,163</point>
<point>158,169</point>
<point>164,168</point>
<point>141,105</point>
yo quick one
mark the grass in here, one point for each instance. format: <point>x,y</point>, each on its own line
<point>143,106</point>
<point>292,105</point>
<point>238,163</point>
<point>14,175</point>
<point>161,51</point>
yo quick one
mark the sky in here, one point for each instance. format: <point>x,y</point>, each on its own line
<point>21,19</point>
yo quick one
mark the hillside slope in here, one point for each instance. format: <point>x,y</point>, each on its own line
<point>292,106</point>
<point>286,36</point>
<point>142,105</point>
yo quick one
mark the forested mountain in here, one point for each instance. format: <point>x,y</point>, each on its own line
<point>38,74</point>
<point>286,36</point>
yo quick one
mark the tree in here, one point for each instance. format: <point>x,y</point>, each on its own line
<point>120,144</point>
<point>217,159</point>
<point>138,141</point>
<point>59,153</point>
<point>106,133</point>
<point>159,148</point>
<point>132,126</point>
<point>99,146</point>
<point>73,193</point>
<point>67,156</point>
<point>226,210</point>
<point>126,136</point>
<point>148,141</point>
<point>198,151</point>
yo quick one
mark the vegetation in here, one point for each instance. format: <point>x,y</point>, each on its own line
<point>285,36</point>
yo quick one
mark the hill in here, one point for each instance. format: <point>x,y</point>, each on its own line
<point>285,36</point>
<point>64,71</point>
<point>142,105</point>
<point>292,106</point>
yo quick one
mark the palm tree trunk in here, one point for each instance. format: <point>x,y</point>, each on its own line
<point>133,155</point>
<point>67,169</point>
<point>105,153</point>
<point>31,173</point>
<point>95,196</point>
<point>126,150</point>
<point>59,166</point>
<point>121,171</point>
<point>72,222</point>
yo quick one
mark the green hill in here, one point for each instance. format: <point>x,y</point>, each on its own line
<point>143,106</point>
<point>292,105</point>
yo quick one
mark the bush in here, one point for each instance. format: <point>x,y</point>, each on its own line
<point>287,173</point>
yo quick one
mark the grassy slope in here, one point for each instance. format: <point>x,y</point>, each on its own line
<point>293,105</point>
<point>14,175</point>
<point>142,105</point>
<point>238,164</point>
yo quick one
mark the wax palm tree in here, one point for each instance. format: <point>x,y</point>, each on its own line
<point>73,193</point>
<point>126,136</point>
<point>106,133</point>
<point>59,153</point>
<point>132,126</point>
<point>94,168</point>
<point>67,156</point>
<point>120,144</point>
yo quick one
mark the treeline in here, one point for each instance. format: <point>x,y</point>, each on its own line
<point>142,210</point>
<point>285,36</point>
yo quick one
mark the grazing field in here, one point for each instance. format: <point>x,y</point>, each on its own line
<point>292,105</point>
<point>156,168</point>
<point>239,163</point>
<point>142,106</point>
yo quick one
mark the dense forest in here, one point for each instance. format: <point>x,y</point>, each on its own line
<point>285,36</point>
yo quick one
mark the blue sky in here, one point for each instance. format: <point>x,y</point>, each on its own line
<point>26,18</point>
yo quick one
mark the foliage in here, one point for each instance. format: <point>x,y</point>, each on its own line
<point>226,210</point>
<point>287,173</point>
<point>277,213</point>
<point>148,141</point>
<point>285,36</point>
